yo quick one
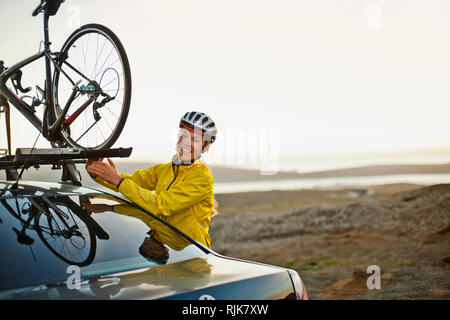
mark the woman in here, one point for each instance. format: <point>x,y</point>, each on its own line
<point>183,188</point>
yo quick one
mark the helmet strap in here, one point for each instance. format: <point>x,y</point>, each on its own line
<point>179,162</point>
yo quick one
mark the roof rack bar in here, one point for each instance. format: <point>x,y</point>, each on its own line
<point>11,174</point>
<point>71,174</point>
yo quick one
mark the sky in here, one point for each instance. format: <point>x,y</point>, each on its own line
<point>282,79</point>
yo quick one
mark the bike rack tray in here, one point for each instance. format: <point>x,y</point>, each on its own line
<point>66,157</point>
<point>32,157</point>
<point>56,154</point>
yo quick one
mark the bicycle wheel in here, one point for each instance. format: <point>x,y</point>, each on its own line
<point>94,59</point>
<point>76,244</point>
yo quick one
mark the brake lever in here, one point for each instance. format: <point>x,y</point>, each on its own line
<point>16,79</point>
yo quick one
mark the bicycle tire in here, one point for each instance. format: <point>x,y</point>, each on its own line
<point>81,59</point>
<point>61,254</point>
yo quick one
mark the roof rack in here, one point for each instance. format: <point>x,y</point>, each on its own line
<point>64,158</point>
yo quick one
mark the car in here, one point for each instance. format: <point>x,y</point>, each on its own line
<point>56,246</point>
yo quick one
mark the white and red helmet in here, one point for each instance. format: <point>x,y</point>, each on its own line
<point>200,123</point>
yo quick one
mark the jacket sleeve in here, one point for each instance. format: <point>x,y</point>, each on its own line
<point>146,178</point>
<point>195,187</point>
<point>127,210</point>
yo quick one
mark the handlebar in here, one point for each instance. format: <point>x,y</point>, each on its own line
<point>38,8</point>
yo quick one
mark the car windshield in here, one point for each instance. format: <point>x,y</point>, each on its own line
<point>43,234</point>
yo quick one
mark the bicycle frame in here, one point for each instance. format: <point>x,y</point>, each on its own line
<point>20,105</point>
<point>63,229</point>
<point>48,126</point>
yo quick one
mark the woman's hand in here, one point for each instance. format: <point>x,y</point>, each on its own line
<point>90,162</point>
<point>107,172</point>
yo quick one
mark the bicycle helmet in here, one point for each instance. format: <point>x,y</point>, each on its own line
<point>201,123</point>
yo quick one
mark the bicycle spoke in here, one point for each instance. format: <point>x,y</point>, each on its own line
<point>77,61</point>
<point>111,112</point>
<point>101,68</point>
<point>87,47</point>
<point>109,66</point>
<point>117,77</point>
<point>97,56</point>
<point>86,131</point>
<point>101,133</point>
<point>109,90</point>
<point>105,120</point>
<point>83,61</point>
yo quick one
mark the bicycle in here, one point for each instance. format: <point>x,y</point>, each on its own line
<point>63,226</point>
<point>91,69</point>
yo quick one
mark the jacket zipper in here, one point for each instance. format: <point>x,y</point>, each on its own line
<point>175,174</point>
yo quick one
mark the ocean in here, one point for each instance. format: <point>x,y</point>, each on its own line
<point>318,162</point>
<point>296,184</point>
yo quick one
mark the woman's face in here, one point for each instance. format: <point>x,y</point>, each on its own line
<point>189,145</point>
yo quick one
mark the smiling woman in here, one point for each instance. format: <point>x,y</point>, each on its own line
<point>181,191</point>
<point>197,133</point>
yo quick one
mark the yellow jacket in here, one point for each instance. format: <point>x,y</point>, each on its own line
<point>183,195</point>
<point>159,231</point>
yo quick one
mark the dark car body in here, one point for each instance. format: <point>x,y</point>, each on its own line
<point>53,248</point>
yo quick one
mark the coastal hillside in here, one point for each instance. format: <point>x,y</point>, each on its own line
<point>331,236</point>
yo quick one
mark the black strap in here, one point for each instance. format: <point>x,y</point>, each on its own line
<point>120,183</point>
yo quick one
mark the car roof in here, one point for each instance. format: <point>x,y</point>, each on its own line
<point>39,188</point>
<point>118,237</point>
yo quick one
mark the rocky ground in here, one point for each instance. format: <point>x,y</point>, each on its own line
<point>331,236</point>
